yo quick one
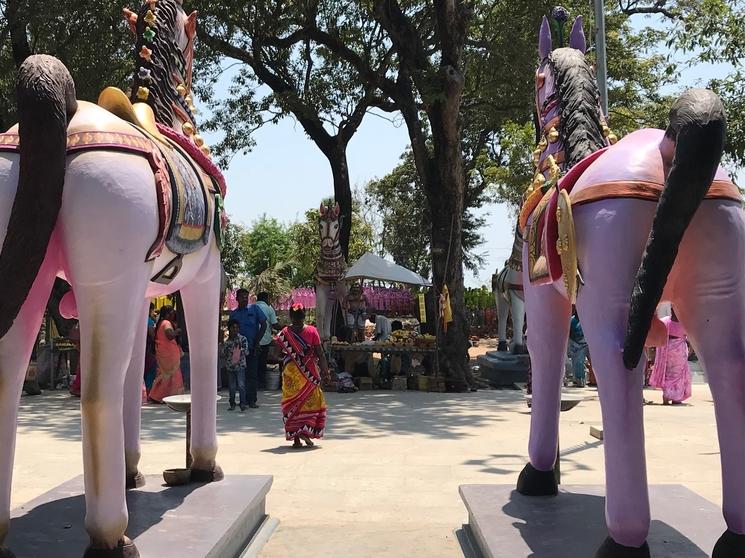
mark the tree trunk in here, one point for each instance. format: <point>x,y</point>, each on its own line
<point>342,194</point>
<point>18,38</point>
<point>445,195</point>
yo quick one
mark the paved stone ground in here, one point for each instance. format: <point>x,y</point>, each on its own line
<point>384,481</point>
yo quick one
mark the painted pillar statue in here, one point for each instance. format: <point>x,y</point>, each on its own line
<point>507,286</point>
<point>121,234</point>
<point>628,204</point>
<point>330,269</point>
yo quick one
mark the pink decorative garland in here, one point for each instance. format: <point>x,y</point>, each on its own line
<point>195,153</point>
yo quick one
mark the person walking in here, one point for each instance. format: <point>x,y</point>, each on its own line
<point>671,373</point>
<point>577,350</point>
<point>272,324</point>
<point>168,379</point>
<point>303,403</point>
<point>235,351</point>
<point>151,364</point>
<point>252,325</point>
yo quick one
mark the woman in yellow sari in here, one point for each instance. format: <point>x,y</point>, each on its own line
<point>303,404</point>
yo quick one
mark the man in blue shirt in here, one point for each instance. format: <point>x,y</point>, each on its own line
<point>252,325</point>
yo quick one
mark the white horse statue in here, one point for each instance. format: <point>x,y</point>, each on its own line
<point>507,286</point>
<point>331,267</point>
<point>123,212</point>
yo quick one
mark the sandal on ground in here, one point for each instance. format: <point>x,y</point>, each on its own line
<point>308,441</point>
<point>297,443</point>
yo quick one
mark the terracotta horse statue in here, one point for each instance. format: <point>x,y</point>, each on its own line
<point>652,217</point>
<point>507,286</point>
<point>331,267</point>
<point>124,204</point>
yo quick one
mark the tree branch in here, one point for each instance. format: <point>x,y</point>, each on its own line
<point>632,7</point>
<point>306,115</point>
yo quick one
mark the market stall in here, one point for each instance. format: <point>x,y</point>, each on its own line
<point>407,359</point>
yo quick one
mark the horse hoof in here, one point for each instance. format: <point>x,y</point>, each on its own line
<point>125,549</point>
<point>5,553</point>
<point>201,475</point>
<point>729,545</point>
<point>135,481</point>
<point>611,549</point>
<point>533,482</point>
<point>502,346</point>
<point>520,350</point>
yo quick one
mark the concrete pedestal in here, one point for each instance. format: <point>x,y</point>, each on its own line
<point>216,520</point>
<point>505,524</point>
<point>502,369</point>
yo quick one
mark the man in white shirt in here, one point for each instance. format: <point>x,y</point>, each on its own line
<point>262,301</point>
<point>382,326</point>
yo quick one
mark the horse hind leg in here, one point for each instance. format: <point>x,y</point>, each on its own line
<point>712,311</point>
<point>15,352</point>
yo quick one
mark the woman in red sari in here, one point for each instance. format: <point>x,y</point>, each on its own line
<point>168,379</point>
<point>303,404</point>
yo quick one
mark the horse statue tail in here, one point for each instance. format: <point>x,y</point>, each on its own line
<point>697,128</point>
<point>46,102</point>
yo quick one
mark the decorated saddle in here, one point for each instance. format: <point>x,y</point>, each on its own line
<point>546,216</point>
<point>189,186</point>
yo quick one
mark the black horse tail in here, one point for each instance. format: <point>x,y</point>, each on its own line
<point>697,125</point>
<point>46,101</point>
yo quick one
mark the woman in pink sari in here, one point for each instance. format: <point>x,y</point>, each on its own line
<point>671,372</point>
<point>303,404</point>
<point>168,380</point>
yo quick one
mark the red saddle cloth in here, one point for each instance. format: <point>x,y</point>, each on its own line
<point>543,256</point>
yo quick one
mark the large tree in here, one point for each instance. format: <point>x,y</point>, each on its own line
<point>304,79</point>
<point>401,204</point>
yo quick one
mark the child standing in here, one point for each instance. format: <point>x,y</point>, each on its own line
<point>235,352</point>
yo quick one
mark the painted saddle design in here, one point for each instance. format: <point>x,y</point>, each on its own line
<point>546,215</point>
<point>189,186</point>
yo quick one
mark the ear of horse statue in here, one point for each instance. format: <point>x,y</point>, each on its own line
<point>131,18</point>
<point>544,39</point>
<point>191,25</point>
<point>322,210</point>
<point>577,36</point>
<point>337,209</point>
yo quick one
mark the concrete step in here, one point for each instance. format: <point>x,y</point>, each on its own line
<point>216,520</point>
<point>505,524</point>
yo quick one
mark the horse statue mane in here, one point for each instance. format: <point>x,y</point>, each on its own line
<point>163,58</point>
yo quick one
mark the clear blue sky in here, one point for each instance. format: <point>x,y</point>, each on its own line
<point>286,174</point>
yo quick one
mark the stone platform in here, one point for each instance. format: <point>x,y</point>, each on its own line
<point>505,524</point>
<point>216,520</point>
<point>503,369</point>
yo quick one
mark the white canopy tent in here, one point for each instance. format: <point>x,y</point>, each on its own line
<point>370,266</point>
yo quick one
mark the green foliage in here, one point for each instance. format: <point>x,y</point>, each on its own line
<point>478,298</point>
<point>90,38</point>
<point>234,249</point>
<point>268,244</point>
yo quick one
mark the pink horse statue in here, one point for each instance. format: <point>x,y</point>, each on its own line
<point>87,196</point>
<point>654,218</point>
